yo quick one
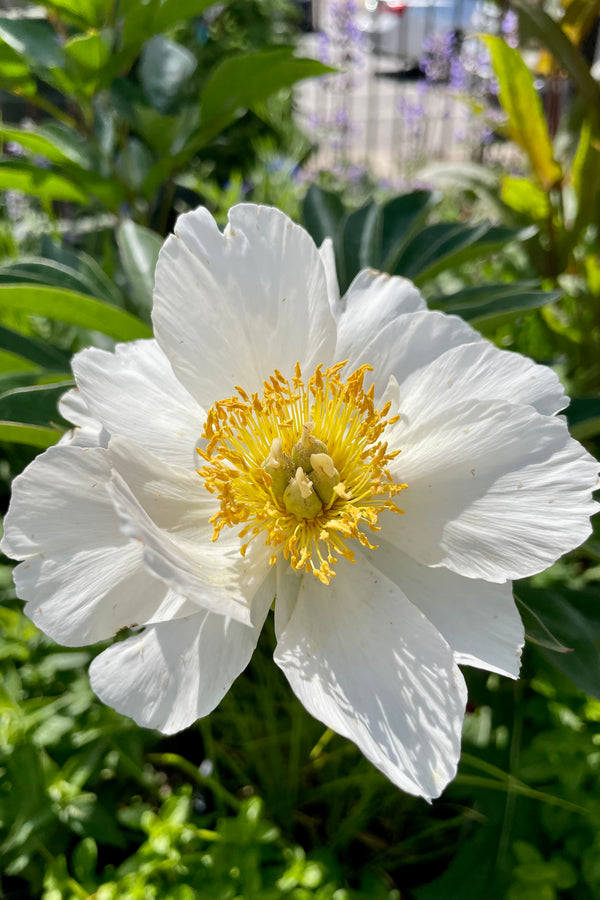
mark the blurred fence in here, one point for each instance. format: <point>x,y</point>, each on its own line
<point>411,87</point>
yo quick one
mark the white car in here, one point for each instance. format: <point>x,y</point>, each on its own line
<point>398,28</point>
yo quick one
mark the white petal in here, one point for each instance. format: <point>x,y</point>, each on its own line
<point>327,254</point>
<point>81,578</point>
<point>134,393</point>
<point>409,343</point>
<point>288,586</point>
<point>89,431</point>
<point>479,371</point>
<point>479,619</point>
<point>372,301</point>
<point>175,673</point>
<point>230,308</point>
<point>199,571</point>
<point>495,491</point>
<point>363,660</point>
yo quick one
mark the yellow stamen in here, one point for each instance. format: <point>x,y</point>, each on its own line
<point>245,434</point>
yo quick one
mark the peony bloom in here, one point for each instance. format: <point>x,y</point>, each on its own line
<point>379,470</point>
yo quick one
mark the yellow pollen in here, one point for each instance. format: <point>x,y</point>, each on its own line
<point>246,434</point>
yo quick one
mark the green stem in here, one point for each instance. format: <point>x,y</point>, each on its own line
<point>175,761</point>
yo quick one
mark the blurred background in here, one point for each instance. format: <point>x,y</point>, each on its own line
<point>455,142</point>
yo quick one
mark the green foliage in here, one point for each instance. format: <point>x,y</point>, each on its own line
<point>396,237</point>
<point>142,110</point>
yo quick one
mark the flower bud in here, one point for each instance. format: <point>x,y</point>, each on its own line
<point>300,498</point>
<point>303,448</point>
<point>324,475</point>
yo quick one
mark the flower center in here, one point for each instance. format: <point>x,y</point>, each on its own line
<point>304,466</point>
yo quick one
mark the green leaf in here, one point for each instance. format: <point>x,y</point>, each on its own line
<point>521,103</point>
<point>32,435</point>
<point>34,405</point>
<point>37,270</point>
<point>583,416</point>
<point>586,183</point>
<point>536,631</point>
<point>91,61</point>
<point>98,283</point>
<point>89,52</point>
<point>34,40</point>
<point>354,244</point>
<point>449,245</point>
<point>142,20</point>
<point>84,859</point>
<point>165,67</point>
<point>73,308</point>
<point>57,142</point>
<point>235,84</point>
<point>478,303</point>
<point>42,354</point>
<point>48,185</point>
<point>322,212</point>
<point>243,81</point>
<point>551,36</point>
<point>139,248</point>
<point>525,197</point>
<point>400,219</point>
<point>574,618</point>
<point>14,73</point>
<point>84,13</point>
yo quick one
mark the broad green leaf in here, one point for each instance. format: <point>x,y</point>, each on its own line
<point>165,67</point>
<point>235,84</point>
<point>139,248</point>
<point>574,618</point>
<point>13,364</point>
<point>447,244</point>
<point>241,82</point>
<point>42,183</point>
<point>551,36</point>
<point>134,162</point>
<point>583,416</point>
<point>354,243</point>
<point>160,131</point>
<point>57,142</point>
<point>322,212</point>
<point>42,354</point>
<point>34,40</point>
<point>33,435</point>
<point>33,405</point>
<point>15,74</point>
<point>521,103</point>
<point>586,182</point>
<point>98,283</point>
<point>84,13</point>
<point>536,631</point>
<point>37,270</point>
<point>142,20</point>
<point>73,308</point>
<point>525,198</point>
<point>90,52</point>
<point>489,301</point>
<point>400,218</point>
<point>91,61</point>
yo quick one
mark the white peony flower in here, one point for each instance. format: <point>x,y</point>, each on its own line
<point>380,469</point>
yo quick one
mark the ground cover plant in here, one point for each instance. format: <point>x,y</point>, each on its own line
<point>259,800</point>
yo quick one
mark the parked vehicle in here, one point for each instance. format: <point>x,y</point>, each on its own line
<point>398,28</point>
